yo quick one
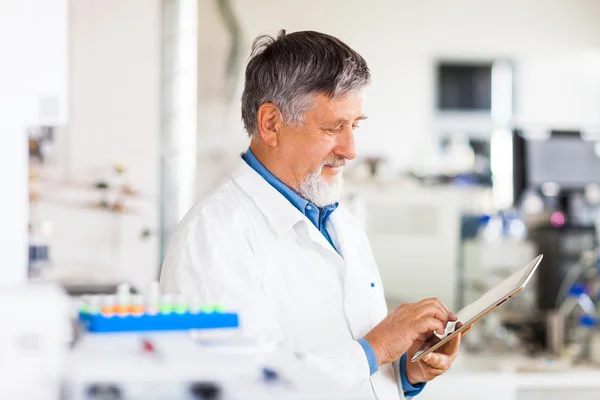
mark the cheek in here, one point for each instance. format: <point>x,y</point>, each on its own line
<point>312,164</point>
<point>303,160</point>
<point>312,158</point>
<point>307,150</point>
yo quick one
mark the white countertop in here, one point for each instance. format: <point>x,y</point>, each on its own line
<point>527,372</point>
<point>514,377</point>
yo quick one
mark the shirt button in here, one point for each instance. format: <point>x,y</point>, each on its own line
<point>308,207</point>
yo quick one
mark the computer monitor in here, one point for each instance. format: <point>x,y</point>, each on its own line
<point>563,158</point>
<point>464,86</point>
<point>567,160</point>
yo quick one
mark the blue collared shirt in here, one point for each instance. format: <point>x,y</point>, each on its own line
<point>319,216</point>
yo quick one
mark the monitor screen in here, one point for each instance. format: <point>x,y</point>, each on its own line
<point>567,160</point>
<point>464,86</point>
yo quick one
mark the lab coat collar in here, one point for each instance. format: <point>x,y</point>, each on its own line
<point>281,214</point>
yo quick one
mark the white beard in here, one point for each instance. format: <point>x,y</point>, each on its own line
<point>319,191</point>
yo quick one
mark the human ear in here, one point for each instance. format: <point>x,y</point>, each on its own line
<point>269,123</point>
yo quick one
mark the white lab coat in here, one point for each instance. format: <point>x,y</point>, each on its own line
<point>248,248</point>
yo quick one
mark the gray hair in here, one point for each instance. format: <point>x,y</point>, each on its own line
<point>289,70</point>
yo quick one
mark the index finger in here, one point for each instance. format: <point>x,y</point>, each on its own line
<point>433,310</point>
<point>438,302</point>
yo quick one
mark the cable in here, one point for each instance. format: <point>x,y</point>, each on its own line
<point>572,276</point>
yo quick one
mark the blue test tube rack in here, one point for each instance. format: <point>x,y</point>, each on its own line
<point>133,313</point>
<point>98,323</point>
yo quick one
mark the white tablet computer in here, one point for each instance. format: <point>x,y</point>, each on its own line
<point>487,303</point>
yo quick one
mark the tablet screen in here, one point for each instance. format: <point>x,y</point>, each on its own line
<point>491,299</point>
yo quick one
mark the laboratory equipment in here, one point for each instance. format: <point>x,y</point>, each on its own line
<point>165,346</point>
<point>175,365</point>
<point>564,158</point>
<point>562,170</point>
<point>162,347</point>
<point>127,312</point>
<point>485,262</point>
<point>572,324</point>
<point>106,313</point>
<point>553,178</point>
<point>594,345</point>
<point>562,247</point>
<point>583,336</point>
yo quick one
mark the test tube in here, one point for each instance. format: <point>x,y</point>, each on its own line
<point>108,306</point>
<point>137,305</point>
<point>123,300</point>
<point>195,305</point>
<point>166,304</point>
<point>84,307</point>
<point>123,293</point>
<point>209,309</point>
<point>93,305</point>
<point>181,306</point>
<point>153,300</point>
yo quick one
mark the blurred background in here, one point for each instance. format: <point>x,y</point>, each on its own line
<point>482,150</point>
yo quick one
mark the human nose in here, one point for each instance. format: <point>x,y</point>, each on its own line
<point>347,144</point>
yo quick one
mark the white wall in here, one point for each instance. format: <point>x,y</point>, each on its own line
<point>400,39</point>
<point>115,88</point>
<point>114,116</point>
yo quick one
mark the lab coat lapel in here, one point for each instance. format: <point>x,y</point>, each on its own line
<point>317,237</point>
<point>362,307</point>
<point>356,284</point>
<point>282,215</point>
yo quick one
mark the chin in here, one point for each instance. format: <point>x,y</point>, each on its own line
<point>322,190</point>
<point>331,175</point>
<point>329,179</point>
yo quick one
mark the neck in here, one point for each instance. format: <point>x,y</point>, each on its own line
<point>276,164</point>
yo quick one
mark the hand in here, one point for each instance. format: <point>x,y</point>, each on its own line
<point>434,364</point>
<point>407,323</point>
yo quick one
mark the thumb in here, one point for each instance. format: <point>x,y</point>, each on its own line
<point>453,345</point>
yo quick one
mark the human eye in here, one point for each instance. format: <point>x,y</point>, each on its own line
<point>335,130</point>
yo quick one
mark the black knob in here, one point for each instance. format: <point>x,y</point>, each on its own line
<point>205,390</point>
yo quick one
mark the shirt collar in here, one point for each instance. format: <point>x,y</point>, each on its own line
<point>317,216</point>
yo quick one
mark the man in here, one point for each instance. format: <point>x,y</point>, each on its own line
<point>274,243</point>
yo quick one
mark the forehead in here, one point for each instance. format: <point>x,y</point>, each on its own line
<point>345,108</point>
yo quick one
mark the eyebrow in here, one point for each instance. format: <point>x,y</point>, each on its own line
<point>345,121</point>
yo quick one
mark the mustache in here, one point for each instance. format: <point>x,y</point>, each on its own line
<point>334,162</point>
